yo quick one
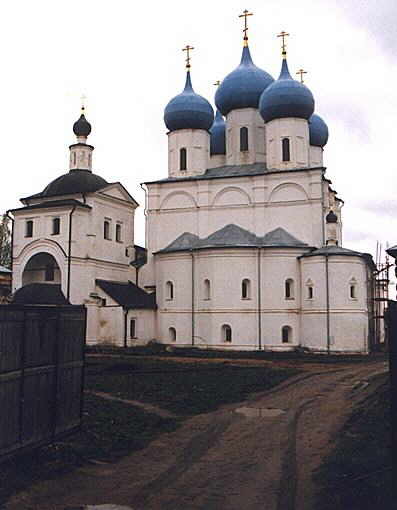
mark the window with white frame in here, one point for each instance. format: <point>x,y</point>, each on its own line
<point>353,288</point>
<point>289,289</point>
<point>106,229</point>
<point>246,289</point>
<point>172,334</point>
<point>169,291</point>
<point>29,228</point>
<point>286,334</point>
<point>226,333</point>
<point>133,328</point>
<point>207,289</point>
<point>56,226</point>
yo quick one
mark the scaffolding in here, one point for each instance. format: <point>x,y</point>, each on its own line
<point>380,296</point>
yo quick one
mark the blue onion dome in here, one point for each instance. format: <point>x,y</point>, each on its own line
<point>82,127</point>
<point>318,131</point>
<point>188,110</point>
<point>243,87</point>
<point>218,138</point>
<point>286,97</point>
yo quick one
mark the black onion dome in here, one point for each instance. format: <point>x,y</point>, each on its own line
<point>331,217</point>
<point>76,181</point>
<point>82,127</point>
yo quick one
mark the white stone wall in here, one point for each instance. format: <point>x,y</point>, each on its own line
<point>251,119</point>
<point>297,132</point>
<point>197,145</point>
<point>348,317</point>
<point>315,156</point>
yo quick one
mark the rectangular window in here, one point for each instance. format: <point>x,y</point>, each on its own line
<point>56,226</point>
<point>106,229</point>
<point>118,232</point>
<point>133,328</point>
<point>310,292</point>
<point>353,291</point>
<point>29,228</point>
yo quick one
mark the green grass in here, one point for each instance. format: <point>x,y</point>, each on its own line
<point>183,388</point>
<point>110,430</point>
<point>357,474</point>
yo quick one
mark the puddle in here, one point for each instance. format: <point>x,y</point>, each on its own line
<point>260,412</point>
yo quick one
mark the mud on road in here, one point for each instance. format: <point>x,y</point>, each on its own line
<point>260,453</point>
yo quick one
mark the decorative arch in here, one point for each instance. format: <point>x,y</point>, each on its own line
<point>41,268</point>
<point>288,192</point>
<point>231,195</point>
<point>286,334</point>
<point>178,200</point>
<point>226,332</point>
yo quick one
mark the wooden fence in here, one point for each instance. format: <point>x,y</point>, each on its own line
<point>41,374</point>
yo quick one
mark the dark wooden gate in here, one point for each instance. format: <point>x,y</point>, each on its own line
<point>41,373</point>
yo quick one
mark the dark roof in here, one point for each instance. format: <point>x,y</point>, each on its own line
<point>233,236</point>
<point>82,127</point>
<point>40,294</point>
<point>75,181</point>
<point>334,250</point>
<point>53,203</point>
<point>128,295</point>
<point>232,171</point>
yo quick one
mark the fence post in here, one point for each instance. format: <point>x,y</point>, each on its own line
<point>391,321</point>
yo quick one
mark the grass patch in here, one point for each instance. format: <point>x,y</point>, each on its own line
<point>109,431</point>
<point>183,388</point>
<point>356,476</point>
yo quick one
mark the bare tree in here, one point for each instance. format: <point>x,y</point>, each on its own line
<point>5,241</point>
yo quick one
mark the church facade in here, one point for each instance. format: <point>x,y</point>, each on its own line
<point>243,236</point>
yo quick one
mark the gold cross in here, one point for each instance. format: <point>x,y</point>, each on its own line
<point>301,72</point>
<point>217,83</point>
<point>245,16</point>
<point>283,35</point>
<point>188,48</point>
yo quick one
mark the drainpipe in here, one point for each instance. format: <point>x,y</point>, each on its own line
<point>327,300</point>
<point>12,240</point>
<point>322,208</point>
<point>259,302</point>
<point>192,254</point>
<point>70,251</point>
<point>125,326</point>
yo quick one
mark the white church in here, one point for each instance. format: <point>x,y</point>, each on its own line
<point>243,236</point>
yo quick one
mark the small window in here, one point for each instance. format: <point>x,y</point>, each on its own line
<point>172,334</point>
<point>286,149</point>
<point>353,292</point>
<point>29,228</point>
<point>118,232</point>
<point>183,159</point>
<point>74,158</point>
<point>207,289</point>
<point>310,292</point>
<point>169,291</point>
<point>56,226</point>
<point>286,334</point>
<point>289,289</point>
<point>245,289</point>
<point>106,229</point>
<point>226,333</point>
<point>49,273</point>
<point>133,328</point>
<point>243,139</point>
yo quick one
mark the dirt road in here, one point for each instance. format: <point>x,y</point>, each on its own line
<point>259,454</point>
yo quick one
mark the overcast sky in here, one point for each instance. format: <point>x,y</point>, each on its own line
<point>126,58</point>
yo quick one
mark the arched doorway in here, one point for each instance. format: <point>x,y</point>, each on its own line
<point>41,268</point>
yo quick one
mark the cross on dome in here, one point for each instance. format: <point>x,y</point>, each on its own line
<point>301,72</point>
<point>283,34</point>
<point>245,29</point>
<point>188,49</point>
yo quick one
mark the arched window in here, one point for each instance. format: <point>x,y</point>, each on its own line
<point>172,334</point>
<point>169,291</point>
<point>243,139</point>
<point>226,333</point>
<point>207,289</point>
<point>310,292</point>
<point>353,288</point>
<point>106,229</point>
<point>56,225</point>
<point>29,228</point>
<point>286,149</point>
<point>245,289</point>
<point>289,289</point>
<point>286,334</point>
<point>182,159</point>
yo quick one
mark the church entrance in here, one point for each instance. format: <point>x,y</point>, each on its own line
<point>41,268</point>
